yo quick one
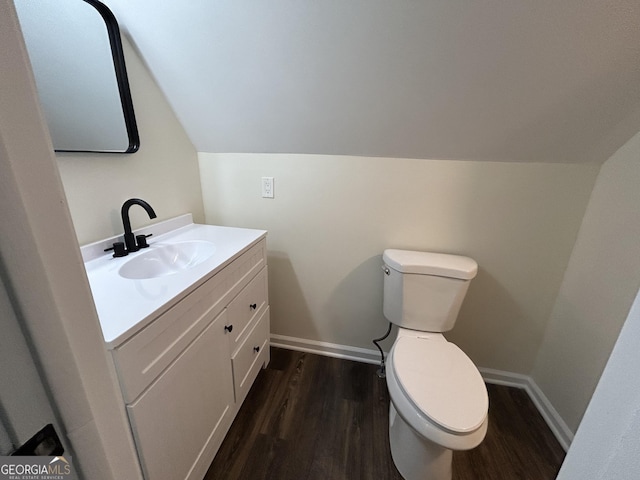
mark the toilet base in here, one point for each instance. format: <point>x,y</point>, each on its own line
<point>415,457</point>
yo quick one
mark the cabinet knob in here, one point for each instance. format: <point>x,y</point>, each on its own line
<point>253,306</point>
<point>228,328</point>
<point>256,349</point>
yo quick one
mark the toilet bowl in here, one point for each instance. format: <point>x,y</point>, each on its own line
<point>439,401</point>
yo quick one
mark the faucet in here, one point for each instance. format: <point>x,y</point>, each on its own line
<point>129,240</point>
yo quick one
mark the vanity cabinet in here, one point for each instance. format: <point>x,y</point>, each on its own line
<point>185,375</point>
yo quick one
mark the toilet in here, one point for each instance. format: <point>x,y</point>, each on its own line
<point>439,401</point>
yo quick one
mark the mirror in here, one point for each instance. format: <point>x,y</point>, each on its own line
<point>78,64</point>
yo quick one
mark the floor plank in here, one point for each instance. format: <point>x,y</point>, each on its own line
<point>312,417</point>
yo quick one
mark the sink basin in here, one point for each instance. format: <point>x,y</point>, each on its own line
<point>167,259</point>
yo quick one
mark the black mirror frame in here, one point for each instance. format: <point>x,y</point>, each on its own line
<point>122,79</point>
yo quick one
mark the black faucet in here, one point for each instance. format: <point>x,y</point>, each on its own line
<point>129,240</point>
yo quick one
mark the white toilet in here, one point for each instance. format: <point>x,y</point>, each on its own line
<point>439,401</point>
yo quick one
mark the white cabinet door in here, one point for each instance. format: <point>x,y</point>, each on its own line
<point>180,421</point>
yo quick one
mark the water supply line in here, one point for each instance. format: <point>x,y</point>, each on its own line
<point>382,370</point>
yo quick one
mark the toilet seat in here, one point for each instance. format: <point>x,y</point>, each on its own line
<point>441,382</point>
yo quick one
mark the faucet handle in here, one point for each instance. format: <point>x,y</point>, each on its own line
<point>141,240</point>
<point>118,249</point>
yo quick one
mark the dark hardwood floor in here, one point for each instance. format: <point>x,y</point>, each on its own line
<point>314,417</point>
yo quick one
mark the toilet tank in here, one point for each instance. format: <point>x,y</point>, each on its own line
<point>424,291</point>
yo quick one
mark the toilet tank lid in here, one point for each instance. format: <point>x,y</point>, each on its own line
<point>428,263</point>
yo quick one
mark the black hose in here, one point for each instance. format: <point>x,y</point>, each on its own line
<point>381,371</point>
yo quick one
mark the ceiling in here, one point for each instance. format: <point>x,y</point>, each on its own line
<point>520,80</point>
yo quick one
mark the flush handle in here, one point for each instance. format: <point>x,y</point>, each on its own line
<point>386,270</point>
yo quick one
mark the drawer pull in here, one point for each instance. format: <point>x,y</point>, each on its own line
<point>228,328</point>
<point>253,306</point>
<point>256,349</point>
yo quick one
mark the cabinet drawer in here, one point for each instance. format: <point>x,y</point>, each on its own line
<point>143,357</point>
<point>245,308</point>
<point>181,419</point>
<point>252,354</point>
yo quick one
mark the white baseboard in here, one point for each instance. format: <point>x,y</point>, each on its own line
<point>327,349</point>
<point>562,432</point>
<point>558,427</point>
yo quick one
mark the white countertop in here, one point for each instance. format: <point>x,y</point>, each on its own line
<point>126,306</point>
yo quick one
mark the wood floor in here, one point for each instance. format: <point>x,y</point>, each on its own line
<point>313,417</point>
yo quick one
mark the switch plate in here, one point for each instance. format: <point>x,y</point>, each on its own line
<point>267,187</point>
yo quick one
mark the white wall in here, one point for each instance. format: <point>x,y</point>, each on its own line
<point>26,407</point>
<point>164,172</point>
<point>607,443</point>
<point>449,79</point>
<point>332,216</point>
<point>598,288</point>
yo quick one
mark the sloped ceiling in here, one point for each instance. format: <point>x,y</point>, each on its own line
<point>519,80</point>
